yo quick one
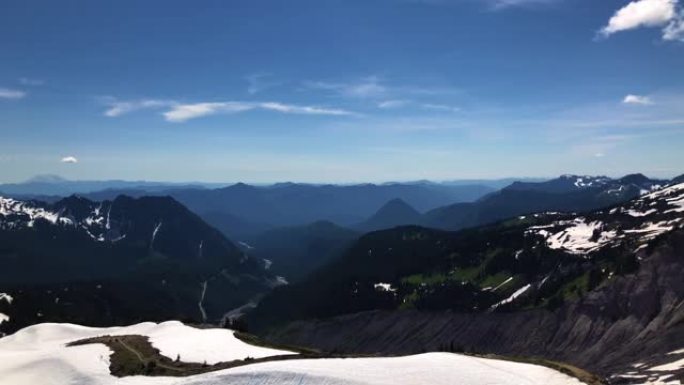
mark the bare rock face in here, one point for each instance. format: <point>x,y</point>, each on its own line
<point>635,319</point>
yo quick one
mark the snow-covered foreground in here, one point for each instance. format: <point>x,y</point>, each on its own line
<point>430,368</point>
<point>39,355</point>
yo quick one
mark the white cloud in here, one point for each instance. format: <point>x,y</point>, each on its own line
<point>184,112</point>
<point>69,159</point>
<point>6,93</point>
<point>440,107</point>
<point>644,13</point>
<point>637,99</point>
<point>389,104</point>
<point>118,108</point>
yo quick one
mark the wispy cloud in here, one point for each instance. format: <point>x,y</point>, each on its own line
<point>503,4</point>
<point>180,112</point>
<point>368,87</point>
<point>648,13</point>
<point>637,99</point>
<point>388,95</point>
<point>259,82</point>
<point>492,4</point>
<point>31,82</point>
<point>440,107</point>
<point>675,30</point>
<point>184,112</point>
<point>117,108</point>
<point>390,104</point>
<point>7,93</point>
<point>69,159</point>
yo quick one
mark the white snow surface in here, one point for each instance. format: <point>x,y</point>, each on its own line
<point>430,368</point>
<point>38,355</point>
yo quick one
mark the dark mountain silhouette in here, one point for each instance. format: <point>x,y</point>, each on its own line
<point>241,211</point>
<point>567,193</point>
<point>393,213</point>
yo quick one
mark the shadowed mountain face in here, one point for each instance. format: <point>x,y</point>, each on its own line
<point>294,252</point>
<point>539,261</point>
<point>601,290</point>
<point>119,261</point>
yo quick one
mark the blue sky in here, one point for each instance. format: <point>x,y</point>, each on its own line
<point>340,90</point>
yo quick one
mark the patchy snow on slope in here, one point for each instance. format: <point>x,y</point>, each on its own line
<point>638,221</point>
<point>513,296</point>
<point>39,355</point>
<point>154,233</point>
<point>663,373</point>
<point>16,213</point>
<point>245,245</point>
<point>579,237</point>
<point>502,284</point>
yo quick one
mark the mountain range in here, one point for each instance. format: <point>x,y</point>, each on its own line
<point>242,211</point>
<point>599,289</point>
<point>579,269</point>
<point>118,261</point>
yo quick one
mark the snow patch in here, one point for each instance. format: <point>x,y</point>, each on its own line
<point>513,296</point>
<point>6,297</point>
<point>381,286</point>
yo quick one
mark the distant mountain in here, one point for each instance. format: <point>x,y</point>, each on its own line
<point>54,185</point>
<point>393,213</point>
<point>493,183</point>
<point>242,211</point>
<point>119,261</point>
<point>294,252</point>
<point>567,193</point>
